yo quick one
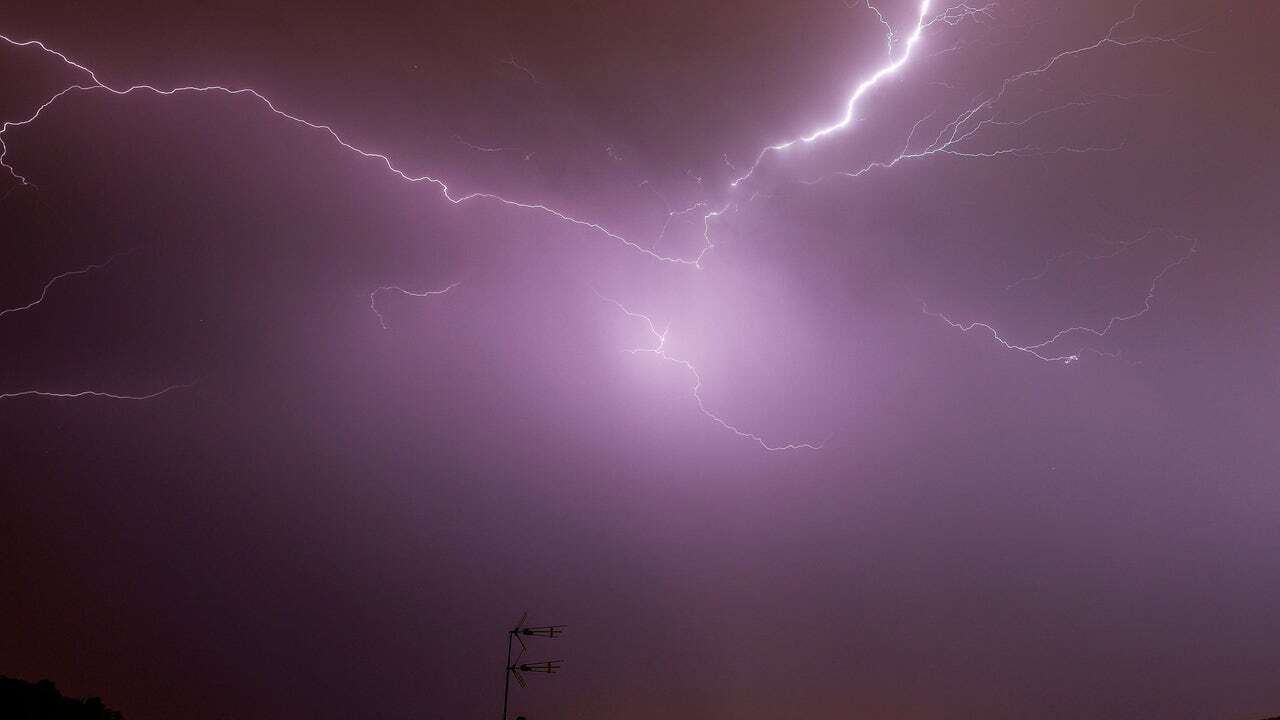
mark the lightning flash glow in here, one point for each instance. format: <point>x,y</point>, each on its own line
<point>957,137</point>
<point>659,349</point>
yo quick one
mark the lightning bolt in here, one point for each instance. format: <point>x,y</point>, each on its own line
<point>373,297</point>
<point>973,120</point>
<point>1042,350</point>
<point>659,350</point>
<point>950,16</point>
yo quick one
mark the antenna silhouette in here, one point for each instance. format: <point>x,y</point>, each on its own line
<point>515,668</point>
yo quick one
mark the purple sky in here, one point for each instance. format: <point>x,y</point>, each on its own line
<point>348,491</point>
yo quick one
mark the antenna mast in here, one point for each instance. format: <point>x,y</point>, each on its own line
<point>515,668</point>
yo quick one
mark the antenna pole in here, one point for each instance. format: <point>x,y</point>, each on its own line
<point>549,667</point>
<point>506,684</point>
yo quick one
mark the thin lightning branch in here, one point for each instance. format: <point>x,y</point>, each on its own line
<point>1041,350</point>
<point>456,199</point>
<point>673,214</point>
<point>526,154</point>
<point>1123,246</point>
<point>373,298</point>
<point>1120,247</point>
<point>959,131</point>
<point>973,120</point>
<point>888,29</point>
<point>44,292</point>
<point>513,62</point>
<point>90,393</point>
<point>479,148</point>
<point>1048,265</point>
<point>659,349</point>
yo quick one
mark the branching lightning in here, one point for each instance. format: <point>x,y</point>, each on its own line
<point>955,138</point>
<point>96,85</point>
<point>889,37</point>
<point>950,16</point>
<point>1043,350</point>
<point>962,128</point>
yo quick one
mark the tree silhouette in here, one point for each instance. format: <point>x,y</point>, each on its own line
<point>21,700</point>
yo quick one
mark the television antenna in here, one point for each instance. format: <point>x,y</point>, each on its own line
<point>515,668</point>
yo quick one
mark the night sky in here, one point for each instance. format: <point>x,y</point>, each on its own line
<point>965,408</point>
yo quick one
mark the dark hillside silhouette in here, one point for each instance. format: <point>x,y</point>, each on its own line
<point>22,700</point>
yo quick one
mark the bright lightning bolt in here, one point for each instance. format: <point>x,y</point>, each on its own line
<point>969,124</point>
<point>959,129</point>
<point>659,349</point>
<point>949,16</point>
<point>972,121</point>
